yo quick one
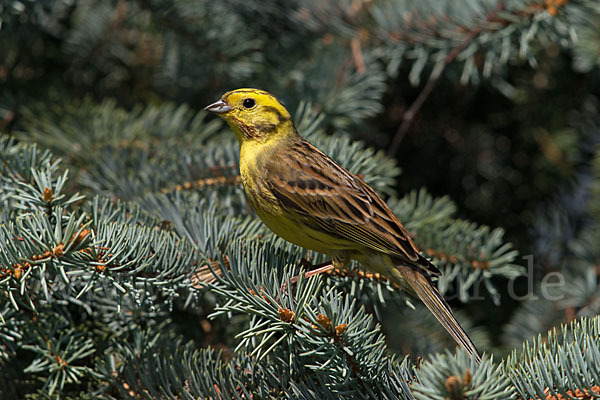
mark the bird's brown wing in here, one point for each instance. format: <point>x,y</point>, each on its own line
<point>332,199</point>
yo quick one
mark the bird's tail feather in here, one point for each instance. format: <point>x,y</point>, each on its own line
<point>435,302</point>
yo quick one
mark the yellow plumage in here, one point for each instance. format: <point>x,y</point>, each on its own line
<point>308,199</point>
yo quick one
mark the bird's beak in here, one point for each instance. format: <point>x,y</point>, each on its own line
<point>218,107</point>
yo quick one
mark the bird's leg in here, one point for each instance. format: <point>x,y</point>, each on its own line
<point>313,269</point>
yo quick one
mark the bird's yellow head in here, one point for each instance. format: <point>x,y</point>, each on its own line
<point>253,114</point>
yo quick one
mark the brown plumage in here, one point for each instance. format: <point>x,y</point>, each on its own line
<point>333,199</point>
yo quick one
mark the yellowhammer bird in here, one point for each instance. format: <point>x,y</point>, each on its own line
<point>308,199</point>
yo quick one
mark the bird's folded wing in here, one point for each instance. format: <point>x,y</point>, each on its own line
<point>330,198</point>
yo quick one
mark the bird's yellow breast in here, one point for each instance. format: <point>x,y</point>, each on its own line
<point>252,172</point>
<point>284,223</point>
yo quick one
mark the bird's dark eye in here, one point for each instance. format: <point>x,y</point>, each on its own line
<point>249,103</point>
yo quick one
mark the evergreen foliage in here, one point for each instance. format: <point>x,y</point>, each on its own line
<point>132,266</point>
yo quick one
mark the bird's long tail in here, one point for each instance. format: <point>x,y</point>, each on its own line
<point>429,294</point>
